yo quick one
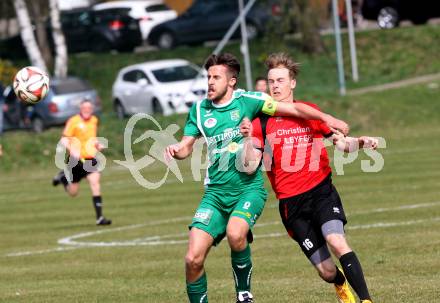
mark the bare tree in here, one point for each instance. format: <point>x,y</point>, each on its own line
<point>61,59</point>
<point>39,11</point>
<point>27,35</point>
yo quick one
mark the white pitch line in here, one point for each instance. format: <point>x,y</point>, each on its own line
<point>39,252</point>
<point>161,240</point>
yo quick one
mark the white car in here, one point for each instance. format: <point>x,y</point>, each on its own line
<point>149,12</point>
<point>158,87</point>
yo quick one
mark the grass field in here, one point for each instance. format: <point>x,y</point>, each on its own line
<point>394,225</point>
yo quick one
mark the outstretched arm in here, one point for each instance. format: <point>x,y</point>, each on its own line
<point>180,150</point>
<point>251,155</point>
<point>350,144</point>
<point>304,111</point>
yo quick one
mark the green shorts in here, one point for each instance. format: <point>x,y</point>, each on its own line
<point>218,206</point>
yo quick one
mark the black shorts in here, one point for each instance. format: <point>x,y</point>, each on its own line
<point>304,214</point>
<point>82,168</point>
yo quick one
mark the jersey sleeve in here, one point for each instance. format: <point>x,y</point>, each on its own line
<point>69,129</point>
<point>191,128</point>
<point>257,134</point>
<point>258,102</point>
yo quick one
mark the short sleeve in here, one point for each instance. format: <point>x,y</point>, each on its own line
<point>257,135</point>
<point>69,129</point>
<point>258,102</point>
<point>191,128</point>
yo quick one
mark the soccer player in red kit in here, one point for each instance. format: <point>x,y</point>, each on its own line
<point>298,168</point>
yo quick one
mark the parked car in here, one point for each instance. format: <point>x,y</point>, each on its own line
<point>163,86</point>
<point>149,13</point>
<point>389,13</point>
<point>100,30</point>
<point>207,20</point>
<point>87,30</point>
<point>61,102</point>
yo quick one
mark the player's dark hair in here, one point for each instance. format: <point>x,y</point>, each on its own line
<point>276,60</point>
<point>226,59</point>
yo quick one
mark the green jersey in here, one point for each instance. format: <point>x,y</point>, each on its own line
<point>220,126</point>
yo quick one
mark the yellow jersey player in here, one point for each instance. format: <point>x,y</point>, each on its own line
<point>79,138</point>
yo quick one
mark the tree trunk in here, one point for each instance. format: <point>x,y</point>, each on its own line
<point>27,35</point>
<point>308,16</point>
<point>39,13</point>
<point>61,58</point>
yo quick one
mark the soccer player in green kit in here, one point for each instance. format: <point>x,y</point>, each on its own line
<point>233,200</point>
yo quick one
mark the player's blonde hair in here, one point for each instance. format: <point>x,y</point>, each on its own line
<point>277,60</point>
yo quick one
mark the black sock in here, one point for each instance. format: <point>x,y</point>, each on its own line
<point>97,203</point>
<point>63,179</point>
<point>339,279</point>
<point>353,271</point>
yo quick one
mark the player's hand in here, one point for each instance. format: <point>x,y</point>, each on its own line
<point>75,154</point>
<point>246,127</point>
<point>99,146</point>
<point>171,151</point>
<point>334,123</point>
<point>368,142</point>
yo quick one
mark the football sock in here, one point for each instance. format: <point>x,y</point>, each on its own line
<point>197,290</point>
<point>97,204</point>
<point>242,269</point>
<point>339,278</point>
<point>63,179</point>
<point>353,271</point>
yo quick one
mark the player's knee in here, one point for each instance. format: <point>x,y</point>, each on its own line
<point>237,240</point>
<point>194,261</point>
<point>338,244</point>
<point>73,192</point>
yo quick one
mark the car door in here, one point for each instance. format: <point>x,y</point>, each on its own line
<point>218,18</point>
<point>136,91</point>
<point>76,28</point>
<point>189,26</point>
<point>144,93</point>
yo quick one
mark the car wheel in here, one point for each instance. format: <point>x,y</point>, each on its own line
<point>252,30</point>
<point>37,125</point>
<point>166,40</point>
<point>157,107</point>
<point>388,17</point>
<point>119,110</point>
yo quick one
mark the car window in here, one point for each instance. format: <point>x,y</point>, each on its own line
<point>157,8</point>
<point>75,19</point>
<point>175,73</point>
<point>84,18</point>
<point>110,14</point>
<point>69,20</point>
<point>68,86</point>
<point>134,76</point>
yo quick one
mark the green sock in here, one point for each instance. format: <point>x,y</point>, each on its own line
<point>197,290</point>
<point>242,269</point>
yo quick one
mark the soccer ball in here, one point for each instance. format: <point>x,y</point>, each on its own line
<point>31,84</point>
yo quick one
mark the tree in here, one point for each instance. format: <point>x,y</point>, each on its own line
<point>61,59</point>
<point>301,16</point>
<point>309,24</point>
<point>27,35</point>
<point>39,11</point>
<point>38,50</point>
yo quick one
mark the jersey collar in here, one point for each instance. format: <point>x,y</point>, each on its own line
<point>235,93</point>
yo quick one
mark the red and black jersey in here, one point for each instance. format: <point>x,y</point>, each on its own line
<point>297,160</point>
